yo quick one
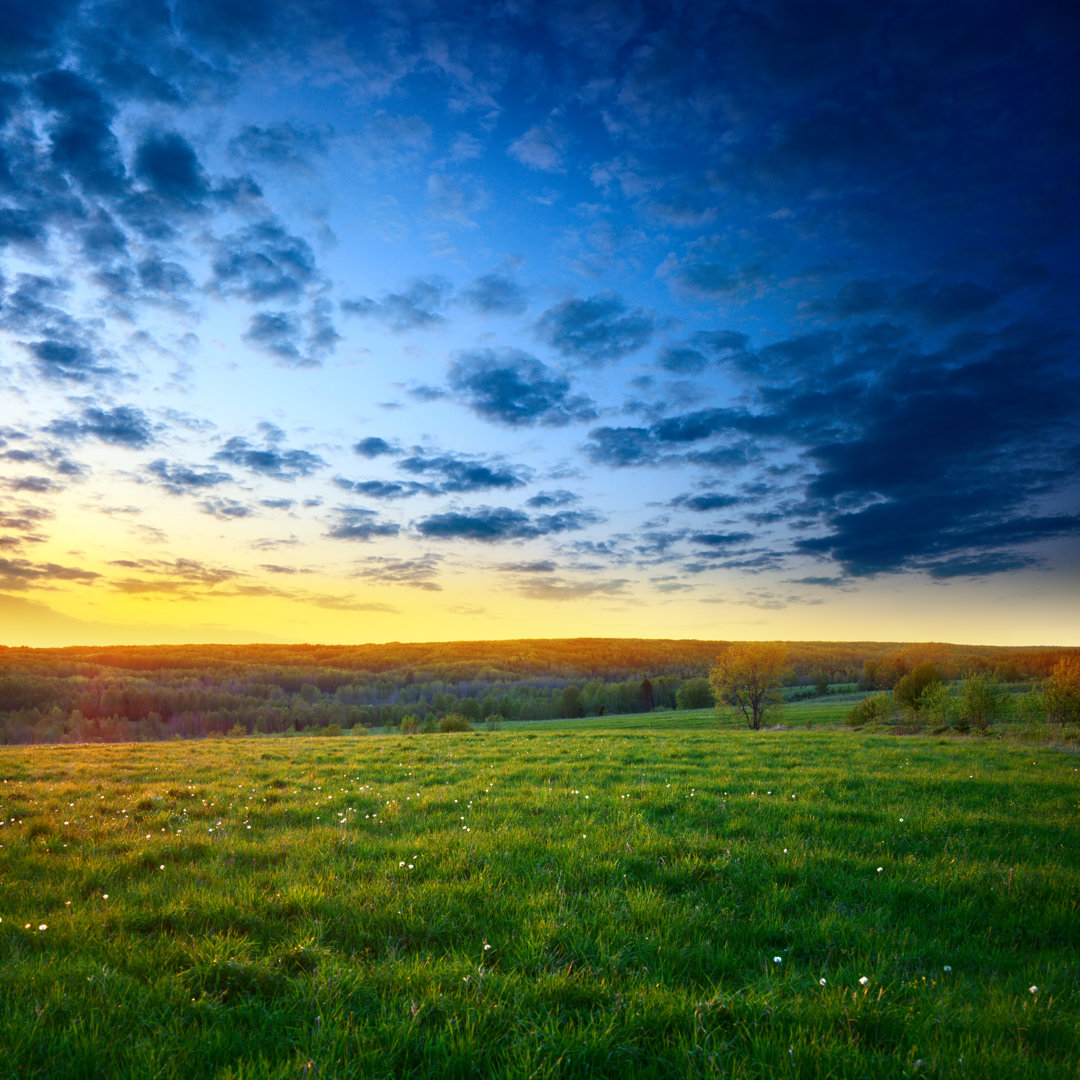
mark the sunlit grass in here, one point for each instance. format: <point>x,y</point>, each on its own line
<point>642,896</point>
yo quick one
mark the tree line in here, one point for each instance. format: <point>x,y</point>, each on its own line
<point>140,692</point>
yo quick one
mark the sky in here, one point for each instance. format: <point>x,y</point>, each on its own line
<point>348,322</point>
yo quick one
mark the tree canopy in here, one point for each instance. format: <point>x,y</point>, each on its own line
<point>748,675</point>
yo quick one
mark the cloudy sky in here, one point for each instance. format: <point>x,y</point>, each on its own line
<point>414,320</point>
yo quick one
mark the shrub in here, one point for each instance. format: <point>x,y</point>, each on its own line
<point>695,694</point>
<point>1006,671</point>
<point>1031,708</point>
<point>937,704</point>
<point>493,721</point>
<point>1062,691</point>
<point>454,722</point>
<point>238,729</point>
<point>410,725</point>
<point>980,701</point>
<point>909,690</point>
<point>332,729</point>
<point>872,709</point>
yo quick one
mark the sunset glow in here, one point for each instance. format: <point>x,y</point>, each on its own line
<point>377,323</point>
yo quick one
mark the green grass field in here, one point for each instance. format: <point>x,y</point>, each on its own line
<point>617,897</point>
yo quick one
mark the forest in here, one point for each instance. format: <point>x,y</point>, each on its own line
<point>137,693</point>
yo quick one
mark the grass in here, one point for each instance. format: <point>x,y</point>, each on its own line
<point>640,896</point>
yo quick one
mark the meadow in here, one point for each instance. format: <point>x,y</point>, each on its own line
<point>638,896</point>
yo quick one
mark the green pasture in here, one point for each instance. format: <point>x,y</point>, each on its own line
<point>648,896</point>
<point>829,710</point>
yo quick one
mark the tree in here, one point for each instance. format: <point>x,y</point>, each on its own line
<point>874,709</point>
<point>980,700</point>
<point>454,722</point>
<point>747,675</point>
<point>909,690</point>
<point>648,696</point>
<point>695,694</point>
<point>868,680</point>
<point>1062,690</point>
<point>570,704</point>
<point>937,703</point>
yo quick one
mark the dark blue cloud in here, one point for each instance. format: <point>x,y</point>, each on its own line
<point>158,275</point>
<point>180,479</point>
<point>359,523</point>
<point>9,98</point>
<point>102,239</point>
<point>453,474</point>
<point>513,388</point>
<point>716,279</point>
<point>700,424</point>
<point>417,306</point>
<point>621,447</point>
<point>33,303</point>
<point>977,566</point>
<point>234,27</point>
<point>29,29</point>
<point>682,360</point>
<point>932,456</point>
<point>322,336</point>
<point>135,53</point>
<point>722,345</point>
<point>494,524</point>
<point>495,294</point>
<point>269,460</point>
<point>856,298</point>
<point>710,501</point>
<point>73,361</point>
<point>956,535</point>
<point>595,330</point>
<point>791,358</point>
<point>284,145</point>
<point>225,509</point>
<point>384,489</point>
<point>938,306</point>
<point>373,447</point>
<point>22,226</point>
<point>721,540</point>
<point>279,333</point>
<point>81,141</point>
<point>545,500</point>
<point>166,161</point>
<point>264,262</point>
<point>123,425</point>
<point>930,304</point>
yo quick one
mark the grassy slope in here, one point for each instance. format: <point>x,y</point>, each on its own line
<point>632,879</point>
